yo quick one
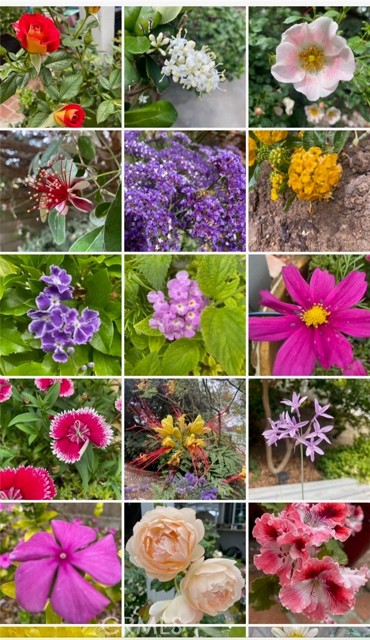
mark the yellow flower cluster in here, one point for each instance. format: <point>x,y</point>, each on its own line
<point>252,147</point>
<point>313,174</point>
<point>181,435</point>
<point>270,137</point>
<point>277,180</point>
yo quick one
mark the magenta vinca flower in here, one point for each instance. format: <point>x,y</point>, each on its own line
<point>66,385</point>
<point>313,326</point>
<point>314,58</point>
<point>73,430</point>
<point>52,565</point>
<point>26,483</point>
<point>57,187</point>
<point>5,389</point>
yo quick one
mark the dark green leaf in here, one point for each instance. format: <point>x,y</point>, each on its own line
<point>157,585</point>
<point>86,148</point>
<point>131,15</point>
<point>340,139</point>
<point>263,592</point>
<point>154,72</point>
<point>9,86</point>
<point>137,44</point>
<point>71,87</point>
<point>90,241</point>
<point>99,288</point>
<point>113,224</point>
<point>158,114</point>
<point>146,21</point>
<point>132,76</point>
<point>24,417</point>
<point>102,340</point>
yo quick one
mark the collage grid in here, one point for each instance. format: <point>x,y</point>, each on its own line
<point>127,295</point>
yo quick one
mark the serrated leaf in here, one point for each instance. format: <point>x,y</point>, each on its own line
<point>36,61</point>
<point>57,225</point>
<point>148,366</point>
<point>217,276</point>
<point>340,140</point>
<point>224,337</point>
<point>144,328</point>
<point>180,358</point>
<point>105,109</point>
<point>8,87</point>
<point>71,87</point>
<point>263,592</point>
<point>158,114</point>
<point>155,269</point>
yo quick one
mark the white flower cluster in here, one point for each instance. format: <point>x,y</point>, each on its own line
<point>192,68</point>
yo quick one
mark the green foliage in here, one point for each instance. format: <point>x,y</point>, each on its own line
<point>349,461</point>
<point>223,29</point>
<point>220,345</point>
<point>263,592</point>
<point>334,549</point>
<point>20,352</point>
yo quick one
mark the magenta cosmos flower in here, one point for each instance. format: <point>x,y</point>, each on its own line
<point>26,483</point>
<point>66,385</point>
<point>313,326</point>
<point>57,187</point>
<point>5,389</point>
<point>73,430</point>
<point>314,58</point>
<point>51,567</point>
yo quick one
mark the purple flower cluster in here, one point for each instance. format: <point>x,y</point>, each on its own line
<point>182,195</point>
<point>59,327</point>
<point>190,486</point>
<point>180,316</point>
<point>288,427</point>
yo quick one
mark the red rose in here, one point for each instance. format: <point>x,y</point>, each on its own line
<point>72,115</point>
<point>37,34</point>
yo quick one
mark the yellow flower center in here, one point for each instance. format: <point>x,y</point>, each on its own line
<point>315,316</point>
<point>312,59</point>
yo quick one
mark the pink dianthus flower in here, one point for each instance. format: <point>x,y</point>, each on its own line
<point>72,431</point>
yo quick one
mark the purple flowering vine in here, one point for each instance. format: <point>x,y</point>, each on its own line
<point>178,317</point>
<point>59,327</point>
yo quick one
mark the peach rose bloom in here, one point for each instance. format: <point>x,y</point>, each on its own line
<point>213,585</point>
<point>166,541</point>
<point>176,611</point>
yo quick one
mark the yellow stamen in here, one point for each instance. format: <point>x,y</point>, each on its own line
<point>315,316</point>
<point>312,59</point>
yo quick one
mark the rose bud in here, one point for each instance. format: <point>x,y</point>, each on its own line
<point>72,115</point>
<point>37,34</point>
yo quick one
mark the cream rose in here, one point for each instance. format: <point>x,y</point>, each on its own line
<point>166,541</point>
<point>176,611</point>
<point>213,585</point>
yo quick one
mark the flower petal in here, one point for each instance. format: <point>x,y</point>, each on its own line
<point>82,204</point>
<point>321,283</point>
<point>353,322</point>
<point>39,546</point>
<point>287,68</point>
<point>312,88</point>
<point>332,349</point>
<point>348,291</point>
<point>297,287</point>
<point>270,301</point>
<point>340,67</point>
<point>100,561</point>
<point>72,536</point>
<point>356,368</point>
<point>273,329</point>
<point>33,582</point>
<point>296,356</point>
<point>74,599</point>
<point>66,451</point>
<point>323,32</point>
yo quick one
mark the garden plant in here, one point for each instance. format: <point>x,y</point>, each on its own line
<point>185,315</point>
<point>162,45</point>
<point>46,557</point>
<point>60,438</point>
<point>60,315</point>
<point>310,66</point>
<point>190,456</point>
<point>73,84</point>
<point>183,194</point>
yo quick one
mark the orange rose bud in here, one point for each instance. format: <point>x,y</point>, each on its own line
<point>72,115</point>
<point>37,34</point>
<point>92,9</point>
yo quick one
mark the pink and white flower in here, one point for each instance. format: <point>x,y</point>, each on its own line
<point>66,385</point>
<point>5,389</point>
<point>118,405</point>
<point>26,483</point>
<point>72,431</point>
<point>314,113</point>
<point>314,58</point>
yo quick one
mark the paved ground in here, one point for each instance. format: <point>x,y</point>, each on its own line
<point>224,109</point>
<point>341,489</point>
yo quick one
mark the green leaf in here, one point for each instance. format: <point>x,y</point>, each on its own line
<point>292,19</point>
<point>154,72</point>
<point>217,276</point>
<point>158,114</point>
<point>6,267</point>
<point>132,76</point>
<point>9,589</point>
<point>157,585</point>
<point>180,358</point>
<point>90,241</point>
<point>102,340</point>
<point>57,224</point>
<point>52,394</point>
<point>313,139</point>
<point>30,369</point>
<point>71,87</point>
<point>15,302</point>
<point>9,86</point>
<point>340,139</point>
<point>99,289</point>
<point>113,224</point>
<point>155,269</point>
<point>105,109</point>
<point>147,20</point>
<point>50,151</point>
<point>11,340</point>
<point>224,337</point>
<point>40,119</point>
<point>106,365</point>
<point>263,592</point>
<point>137,44</point>
<point>148,366</point>
<point>24,417</point>
<point>144,328</point>
<point>168,13</point>
<point>50,616</point>
<point>86,148</point>
<point>36,61</point>
<point>83,470</point>
<point>131,15</point>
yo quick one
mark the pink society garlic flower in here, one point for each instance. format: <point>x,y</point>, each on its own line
<point>314,58</point>
<point>290,541</point>
<point>26,483</point>
<point>66,385</point>
<point>50,569</point>
<point>73,430</point>
<point>6,389</point>
<point>313,326</point>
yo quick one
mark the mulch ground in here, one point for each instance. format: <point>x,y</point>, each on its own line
<point>264,478</point>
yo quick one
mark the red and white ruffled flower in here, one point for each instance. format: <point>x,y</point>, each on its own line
<point>26,483</point>
<point>66,385</point>
<point>72,431</point>
<point>5,389</point>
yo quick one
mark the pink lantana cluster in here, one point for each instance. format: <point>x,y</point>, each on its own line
<point>311,583</point>
<point>180,316</point>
